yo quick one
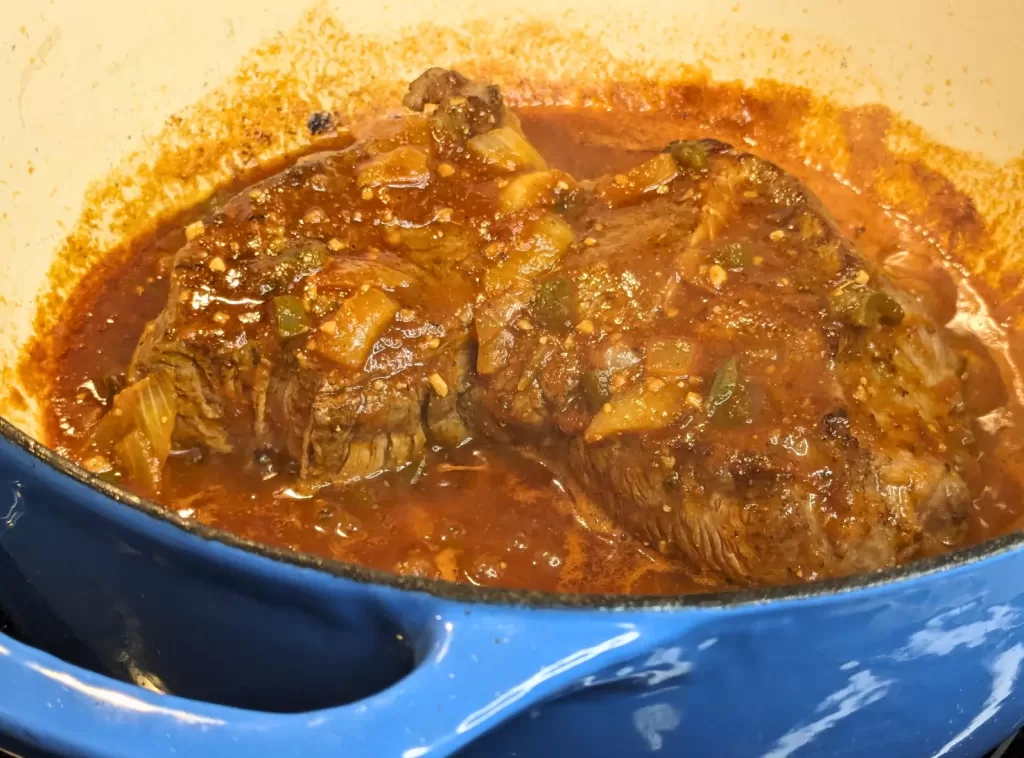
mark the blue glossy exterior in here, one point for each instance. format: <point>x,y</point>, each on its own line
<point>915,663</point>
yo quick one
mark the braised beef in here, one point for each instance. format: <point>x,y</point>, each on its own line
<point>692,341</point>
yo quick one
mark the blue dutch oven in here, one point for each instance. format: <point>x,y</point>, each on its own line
<point>271,653</point>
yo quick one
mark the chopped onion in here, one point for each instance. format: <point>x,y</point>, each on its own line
<point>640,409</point>
<point>139,460</point>
<point>495,316</point>
<point>507,149</point>
<point>405,166</point>
<point>148,405</point>
<point>623,189</point>
<point>156,414</point>
<point>357,325</point>
<point>145,410</point>
<point>438,244</point>
<point>539,189</point>
<point>493,332</point>
<point>612,354</point>
<point>493,355</point>
<point>387,134</point>
<point>669,357</point>
<point>541,247</point>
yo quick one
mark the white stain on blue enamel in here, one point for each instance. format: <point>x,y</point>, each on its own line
<point>863,689</point>
<point>652,721</point>
<point>446,641</point>
<point>546,673</point>
<point>1005,671</point>
<point>938,638</point>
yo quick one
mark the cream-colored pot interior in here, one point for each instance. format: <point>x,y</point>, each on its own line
<point>101,100</point>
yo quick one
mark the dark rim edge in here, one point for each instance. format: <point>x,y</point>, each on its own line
<point>467,593</point>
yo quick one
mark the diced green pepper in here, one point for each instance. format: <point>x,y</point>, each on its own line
<point>864,307</point>
<point>690,155</point>
<point>729,401</point>
<point>293,262</point>
<point>310,259</point>
<point>290,316</point>
<point>596,389</point>
<point>554,304</point>
<point>727,376</point>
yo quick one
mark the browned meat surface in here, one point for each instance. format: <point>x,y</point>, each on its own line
<point>317,314</point>
<point>732,381</point>
<point>692,341</point>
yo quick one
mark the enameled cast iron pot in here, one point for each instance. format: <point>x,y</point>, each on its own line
<point>275,654</point>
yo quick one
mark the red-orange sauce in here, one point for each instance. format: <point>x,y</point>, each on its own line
<point>482,515</point>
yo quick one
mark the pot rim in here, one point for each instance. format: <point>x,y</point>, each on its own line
<point>544,600</point>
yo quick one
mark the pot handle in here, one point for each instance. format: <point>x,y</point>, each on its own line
<point>483,665</point>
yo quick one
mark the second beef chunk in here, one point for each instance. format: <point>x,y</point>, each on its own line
<point>692,341</point>
<point>732,382</point>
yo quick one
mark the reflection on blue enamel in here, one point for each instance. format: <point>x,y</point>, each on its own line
<point>940,638</point>
<point>121,701</point>
<point>556,669</point>
<point>650,673</point>
<point>863,689</point>
<point>446,641</point>
<point>1005,670</point>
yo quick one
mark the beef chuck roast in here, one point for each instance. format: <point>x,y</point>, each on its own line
<point>718,369</point>
<point>733,382</point>
<point>308,317</point>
